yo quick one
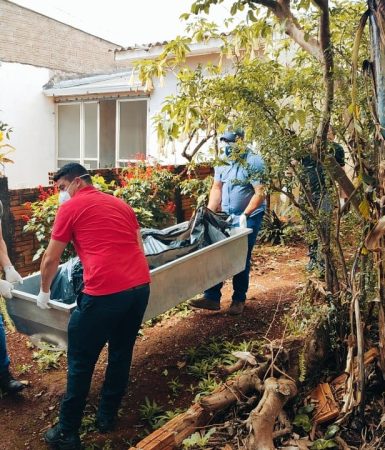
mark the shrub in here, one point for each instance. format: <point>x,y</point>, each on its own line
<point>43,213</point>
<point>42,217</point>
<point>197,189</point>
<point>150,191</point>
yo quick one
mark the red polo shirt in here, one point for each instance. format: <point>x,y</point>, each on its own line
<point>103,230</point>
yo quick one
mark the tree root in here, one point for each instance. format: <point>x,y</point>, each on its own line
<point>262,419</point>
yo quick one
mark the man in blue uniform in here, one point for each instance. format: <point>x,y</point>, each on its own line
<point>238,191</point>
<point>314,181</point>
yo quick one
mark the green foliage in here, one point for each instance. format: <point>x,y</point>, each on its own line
<point>181,310</point>
<point>293,233</point>
<point>202,368</point>
<point>162,419</point>
<point>197,189</point>
<point>280,100</point>
<point>199,439</point>
<point>304,316</point>
<point>42,217</point>
<point>321,444</point>
<point>206,386</point>
<point>149,190</point>
<point>23,368</point>
<point>331,431</point>
<point>150,412</point>
<point>205,359</point>
<point>43,213</point>
<point>302,418</point>
<point>273,229</point>
<point>88,423</point>
<point>47,359</point>
<point>303,421</point>
<point>175,386</point>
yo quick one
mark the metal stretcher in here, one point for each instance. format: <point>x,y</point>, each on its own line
<point>171,284</point>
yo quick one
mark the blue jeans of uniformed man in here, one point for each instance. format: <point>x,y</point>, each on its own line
<point>4,358</point>
<point>241,279</point>
<point>116,319</point>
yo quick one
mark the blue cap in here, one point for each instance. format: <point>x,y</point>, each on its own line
<point>231,136</point>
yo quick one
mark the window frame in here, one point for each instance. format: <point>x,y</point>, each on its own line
<point>119,162</point>
<point>122,162</point>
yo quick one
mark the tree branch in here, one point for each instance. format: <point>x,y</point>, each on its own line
<point>281,9</point>
<point>328,69</point>
<point>196,148</point>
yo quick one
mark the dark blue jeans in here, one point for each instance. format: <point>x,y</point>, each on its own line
<point>114,319</point>
<point>241,279</point>
<point>4,358</point>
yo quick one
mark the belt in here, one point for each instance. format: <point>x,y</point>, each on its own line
<point>137,287</point>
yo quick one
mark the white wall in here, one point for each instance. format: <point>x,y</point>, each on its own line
<point>172,153</point>
<point>31,115</point>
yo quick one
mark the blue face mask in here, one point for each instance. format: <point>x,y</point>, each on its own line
<point>227,148</point>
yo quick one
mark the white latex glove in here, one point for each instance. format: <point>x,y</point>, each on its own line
<point>5,289</point>
<point>43,299</point>
<point>242,221</point>
<point>12,275</point>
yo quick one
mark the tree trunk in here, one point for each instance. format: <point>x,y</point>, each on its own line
<point>262,418</point>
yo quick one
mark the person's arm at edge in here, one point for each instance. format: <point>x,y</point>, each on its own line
<point>50,263</point>
<point>215,197</point>
<point>4,258</point>
<point>256,200</point>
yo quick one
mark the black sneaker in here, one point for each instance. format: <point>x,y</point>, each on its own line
<point>205,303</point>
<point>9,384</point>
<point>105,424</point>
<point>62,440</point>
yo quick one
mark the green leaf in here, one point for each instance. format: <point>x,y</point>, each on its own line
<point>321,444</point>
<point>331,431</point>
<point>303,421</point>
<point>364,209</point>
<point>307,409</point>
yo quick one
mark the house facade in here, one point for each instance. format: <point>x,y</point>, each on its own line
<point>35,49</point>
<point>111,115</point>
<point>71,96</point>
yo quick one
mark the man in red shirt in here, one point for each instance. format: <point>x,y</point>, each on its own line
<point>110,309</point>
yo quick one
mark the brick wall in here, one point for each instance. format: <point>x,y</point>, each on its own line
<point>28,37</point>
<point>22,246</point>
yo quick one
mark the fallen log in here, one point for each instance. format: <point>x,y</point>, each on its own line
<point>276,392</point>
<point>232,391</point>
<point>174,432</point>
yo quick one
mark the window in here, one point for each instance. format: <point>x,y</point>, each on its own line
<point>99,134</point>
<point>132,130</point>
<point>68,133</point>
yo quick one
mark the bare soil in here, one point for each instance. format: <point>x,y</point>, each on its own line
<point>159,355</point>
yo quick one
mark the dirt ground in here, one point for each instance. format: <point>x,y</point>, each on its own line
<point>158,357</point>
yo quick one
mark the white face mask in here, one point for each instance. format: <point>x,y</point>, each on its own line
<point>64,196</point>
